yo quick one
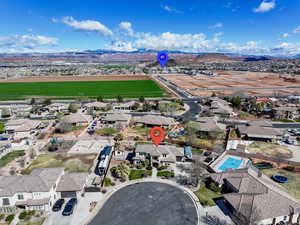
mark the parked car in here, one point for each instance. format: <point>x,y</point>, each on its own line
<point>69,208</point>
<point>58,205</point>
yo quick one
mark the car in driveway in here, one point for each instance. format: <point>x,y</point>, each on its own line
<point>69,208</point>
<point>58,205</point>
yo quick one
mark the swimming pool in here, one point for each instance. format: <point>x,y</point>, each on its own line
<point>230,163</point>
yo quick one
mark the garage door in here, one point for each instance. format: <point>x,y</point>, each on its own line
<point>68,194</point>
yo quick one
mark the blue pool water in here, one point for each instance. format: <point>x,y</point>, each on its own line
<point>230,163</point>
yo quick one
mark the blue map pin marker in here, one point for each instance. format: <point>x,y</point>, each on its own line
<point>162,58</point>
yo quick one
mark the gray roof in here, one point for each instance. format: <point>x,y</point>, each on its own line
<point>72,182</point>
<point>156,120</point>
<point>208,124</point>
<point>117,117</point>
<point>159,150</point>
<point>256,194</point>
<point>40,180</point>
<point>76,118</point>
<point>259,131</point>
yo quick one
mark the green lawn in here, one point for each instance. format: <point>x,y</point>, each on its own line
<point>71,162</point>
<point>106,89</point>
<point>37,221</point>
<point>10,157</point>
<point>292,186</point>
<point>270,149</point>
<point>138,174</point>
<point>165,173</point>
<point>206,195</point>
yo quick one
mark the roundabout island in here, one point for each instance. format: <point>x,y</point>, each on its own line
<point>148,203</point>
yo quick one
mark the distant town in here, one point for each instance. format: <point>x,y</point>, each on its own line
<point>75,144</point>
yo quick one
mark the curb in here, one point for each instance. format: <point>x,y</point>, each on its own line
<point>115,189</point>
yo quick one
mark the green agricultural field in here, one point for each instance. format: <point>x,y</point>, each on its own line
<point>107,89</point>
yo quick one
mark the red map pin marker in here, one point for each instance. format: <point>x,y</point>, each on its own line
<point>157,134</point>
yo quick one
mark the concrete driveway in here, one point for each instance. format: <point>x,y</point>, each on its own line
<point>81,211</point>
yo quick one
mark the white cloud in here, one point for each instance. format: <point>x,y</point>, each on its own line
<point>121,46</point>
<point>86,25</point>
<point>285,35</point>
<point>217,25</point>
<point>170,9</point>
<point>296,30</point>
<point>265,6</point>
<point>23,43</point>
<point>126,27</point>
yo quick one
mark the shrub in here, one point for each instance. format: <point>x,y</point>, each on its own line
<point>23,215</point>
<point>2,216</point>
<point>166,174</point>
<point>149,167</point>
<point>122,179</point>
<point>162,167</point>
<point>215,188</point>
<point>140,166</point>
<point>10,218</point>
<point>289,168</point>
<point>107,182</point>
<point>103,191</point>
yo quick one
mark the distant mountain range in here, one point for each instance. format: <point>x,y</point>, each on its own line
<point>211,57</point>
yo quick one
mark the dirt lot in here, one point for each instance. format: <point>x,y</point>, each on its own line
<point>78,78</point>
<point>270,149</point>
<point>226,83</point>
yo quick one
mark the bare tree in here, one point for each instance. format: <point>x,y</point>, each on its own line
<point>198,173</point>
<point>248,215</point>
<point>32,153</point>
<point>12,171</point>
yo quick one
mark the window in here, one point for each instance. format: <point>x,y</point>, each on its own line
<point>5,201</point>
<point>20,197</point>
<point>164,155</point>
<point>285,217</point>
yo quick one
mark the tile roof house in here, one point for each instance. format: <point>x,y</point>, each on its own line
<point>286,113</point>
<point>252,196</point>
<point>39,190</point>
<point>260,130</point>
<point>96,105</point>
<point>124,105</point>
<point>77,119</point>
<point>160,155</point>
<point>156,120</point>
<point>22,128</point>
<point>116,118</point>
<point>219,106</point>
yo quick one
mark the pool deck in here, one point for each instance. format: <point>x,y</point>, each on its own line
<point>222,158</point>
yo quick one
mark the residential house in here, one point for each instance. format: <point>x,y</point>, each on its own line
<point>22,128</point>
<point>252,196</point>
<point>286,113</point>
<point>116,118</point>
<point>96,105</point>
<point>21,110</point>
<point>208,126</point>
<point>77,119</point>
<point>125,106</point>
<point>260,130</point>
<point>156,120</point>
<point>40,189</point>
<point>220,107</point>
<point>158,155</point>
<point>58,107</point>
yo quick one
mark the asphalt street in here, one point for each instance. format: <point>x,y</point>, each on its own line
<point>148,203</point>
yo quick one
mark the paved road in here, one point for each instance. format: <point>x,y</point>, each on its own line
<point>193,111</point>
<point>148,203</point>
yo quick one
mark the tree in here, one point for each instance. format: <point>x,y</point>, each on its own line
<point>5,113</point>
<point>213,94</point>
<point>135,106</point>
<point>146,107</point>
<point>142,99</point>
<point>73,108</point>
<point>22,162</point>
<point>32,101</point>
<point>108,107</point>
<point>12,171</point>
<point>47,101</point>
<point>2,127</point>
<point>191,129</point>
<point>100,99</point>
<point>199,172</point>
<point>119,98</point>
<point>119,137</point>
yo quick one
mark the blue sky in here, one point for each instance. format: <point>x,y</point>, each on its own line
<point>270,27</point>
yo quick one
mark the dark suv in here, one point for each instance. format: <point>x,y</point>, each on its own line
<point>69,208</point>
<point>58,205</point>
